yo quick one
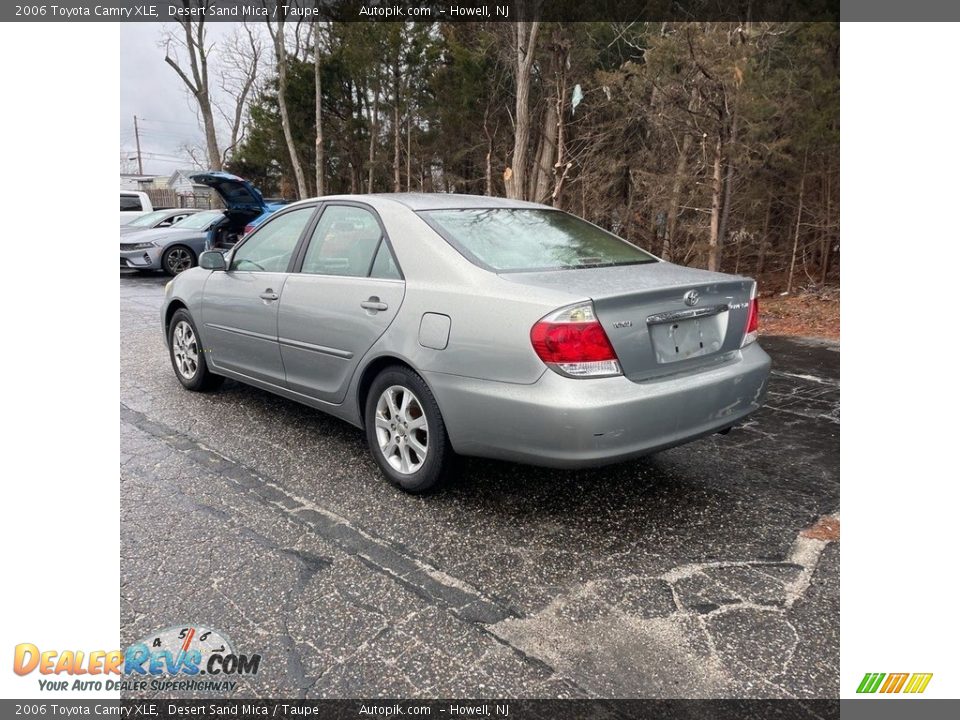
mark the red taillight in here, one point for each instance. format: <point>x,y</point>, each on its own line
<point>573,341</point>
<point>248,229</point>
<point>753,323</point>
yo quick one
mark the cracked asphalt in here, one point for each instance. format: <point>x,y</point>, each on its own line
<point>709,570</point>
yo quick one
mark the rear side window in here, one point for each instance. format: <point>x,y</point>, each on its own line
<point>514,240</point>
<point>270,248</point>
<point>343,243</point>
<point>130,202</point>
<point>384,266</point>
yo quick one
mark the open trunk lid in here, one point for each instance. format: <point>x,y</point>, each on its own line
<point>661,318</point>
<point>237,194</point>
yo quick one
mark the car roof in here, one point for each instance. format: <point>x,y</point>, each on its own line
<point>437,201</point>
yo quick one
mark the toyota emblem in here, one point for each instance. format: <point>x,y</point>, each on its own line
<point>691,297</point>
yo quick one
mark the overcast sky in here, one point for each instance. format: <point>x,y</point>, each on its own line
<point>151,90</point>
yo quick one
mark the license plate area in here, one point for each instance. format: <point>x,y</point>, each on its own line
<point>681,336</point>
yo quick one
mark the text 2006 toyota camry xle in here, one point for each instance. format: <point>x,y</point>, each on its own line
<point>452,324</point>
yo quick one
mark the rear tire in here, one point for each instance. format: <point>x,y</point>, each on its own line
<point>406,433</point>
<point>187,355</point>
<point>177,259</point>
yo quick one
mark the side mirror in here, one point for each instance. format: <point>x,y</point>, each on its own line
<point>212,260</point>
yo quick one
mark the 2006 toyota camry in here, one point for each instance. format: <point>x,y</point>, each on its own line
<point>454,324</point>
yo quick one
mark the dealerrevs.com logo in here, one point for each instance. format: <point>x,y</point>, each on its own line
<point>177,658</point>
<point>909,683</point>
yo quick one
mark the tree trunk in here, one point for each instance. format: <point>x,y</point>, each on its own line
<point>796,234</point>
<point>713,256</point>
<point>373,117</point>
<point>728,183</point>
<point>761,254</point>
<point>488,169</point>
<point>318,85</point>
<point>827,232</point>
<point>561,167</point>
<point>515,177</point>
<point>547,154</point>
<point>545,165</point>
<point>281,52</point>
<point>673,210</point>
<point>408,149</point>
<point>209,131</point>
<point>396,126</point>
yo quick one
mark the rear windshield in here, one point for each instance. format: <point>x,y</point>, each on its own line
<point>149,219</point>
<point>514,240</point>
<point>130,203</point>
<point>200,221</point>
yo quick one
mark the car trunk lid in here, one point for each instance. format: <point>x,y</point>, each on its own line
<point>661,318</point>
<point>238,195</point>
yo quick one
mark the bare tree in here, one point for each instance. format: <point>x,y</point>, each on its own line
<point>192,40</point>
<point>543,168</point>
<point>280,51</point>
<point>515,176</point>
<point>239,62</point>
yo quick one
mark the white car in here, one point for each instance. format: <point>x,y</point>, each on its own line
<point>133,204</point>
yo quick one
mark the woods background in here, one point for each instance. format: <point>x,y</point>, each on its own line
<point>711,144</point>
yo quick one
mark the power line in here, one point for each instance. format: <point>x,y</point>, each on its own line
<point>170,122</point>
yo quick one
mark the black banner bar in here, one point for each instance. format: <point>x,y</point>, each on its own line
<point>394,709</point>
<point>479,10</point>
<point>391,709</point>
<point>423,10</point>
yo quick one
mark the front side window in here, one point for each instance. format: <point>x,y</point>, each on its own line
<point>519,239</point>
<point>270,248</point>
<point>343,243</point>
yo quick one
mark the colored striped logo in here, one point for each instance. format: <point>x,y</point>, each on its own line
<point>894,682</point>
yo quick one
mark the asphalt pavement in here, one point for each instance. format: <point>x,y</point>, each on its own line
<point>709,570</point>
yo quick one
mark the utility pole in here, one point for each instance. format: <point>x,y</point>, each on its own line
<point>136,132</point>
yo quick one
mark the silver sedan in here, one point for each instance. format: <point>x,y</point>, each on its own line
<point>171,249</point>
<point>448,325</point>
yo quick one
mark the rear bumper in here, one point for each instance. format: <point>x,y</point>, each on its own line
<point>570,423</point>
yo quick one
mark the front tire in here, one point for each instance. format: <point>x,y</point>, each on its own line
<point>187,355</point>
<point>176,259</point>
<point>405,431</point>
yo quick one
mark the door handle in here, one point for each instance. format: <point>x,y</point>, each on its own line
<point>373,303</point>
<point>269,295</point>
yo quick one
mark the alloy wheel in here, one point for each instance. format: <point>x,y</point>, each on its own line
<point>179,260</point>
<point>402,429</point>
<point>185,350</point>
